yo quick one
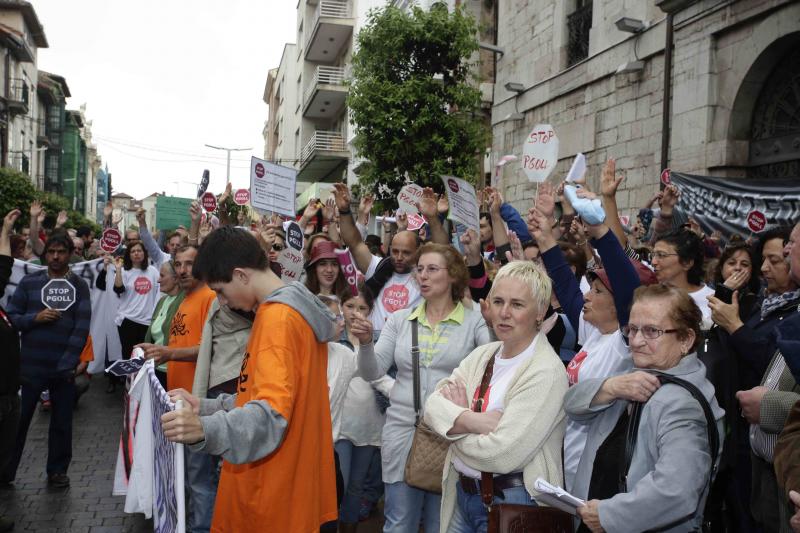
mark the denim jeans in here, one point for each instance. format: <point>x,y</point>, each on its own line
<point>405,506</point>
<point>470,514</point>
<point>202,478</point>
<point>354,462</point>
<point>59,439</point>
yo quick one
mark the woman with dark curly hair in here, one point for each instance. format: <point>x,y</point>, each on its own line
<point>678,261</point>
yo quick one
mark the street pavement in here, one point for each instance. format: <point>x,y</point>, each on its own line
<point>87,505</point>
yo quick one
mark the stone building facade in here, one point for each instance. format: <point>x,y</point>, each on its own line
<point>733,111</point>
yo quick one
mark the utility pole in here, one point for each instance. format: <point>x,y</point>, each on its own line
<point>229,150</point>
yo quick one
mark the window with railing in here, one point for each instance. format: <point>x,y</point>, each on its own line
<point>579,22</point>
<point>51,171</point>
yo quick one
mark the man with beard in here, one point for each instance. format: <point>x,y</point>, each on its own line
<point>389,278</point>
<point>180,354</point>
<point>52,342</point>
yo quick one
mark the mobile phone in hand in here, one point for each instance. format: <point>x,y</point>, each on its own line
<point>724,294</point>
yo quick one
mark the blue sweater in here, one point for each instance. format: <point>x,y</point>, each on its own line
<point>515,223</point>
<point>51,347</point>
<point>621,273</point>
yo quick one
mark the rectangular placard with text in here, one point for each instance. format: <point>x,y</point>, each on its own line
<point>272,187</point>
<point>172,212</point>
<point>463,202</point>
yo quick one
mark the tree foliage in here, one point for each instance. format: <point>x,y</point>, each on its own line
<point>17,192</point>
<point>413,98</point>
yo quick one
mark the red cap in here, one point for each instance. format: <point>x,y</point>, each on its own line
<point>323,249</point>
<point>646,276</point>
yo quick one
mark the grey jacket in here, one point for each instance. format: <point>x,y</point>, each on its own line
<point>394,347</point>
<point>222,348</point>
<point>668,478</point>
<point>253,431</point>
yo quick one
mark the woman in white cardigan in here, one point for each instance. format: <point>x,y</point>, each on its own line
<point>518,433</point>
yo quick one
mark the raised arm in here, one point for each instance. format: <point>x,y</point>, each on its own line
<point>158,256</point>
<point>348,230</point>
<point>609,183</point>
<point>428,208</point>
<point>37,217</point>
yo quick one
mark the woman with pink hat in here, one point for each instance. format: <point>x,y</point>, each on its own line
<point>323,275</point>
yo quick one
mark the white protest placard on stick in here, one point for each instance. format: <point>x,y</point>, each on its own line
<point>272,187</point>
<point>463,202</point>
<point>291,257</point>
<point>540,153</point>
<point>409,197</point>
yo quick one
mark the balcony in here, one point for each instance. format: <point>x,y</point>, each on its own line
<point>324,157</point>
<point>325,95</point>
<point>18,96</point>
<point>41,132</point>
<point>330,30</point>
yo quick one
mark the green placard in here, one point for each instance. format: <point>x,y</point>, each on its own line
<point>172,212</point>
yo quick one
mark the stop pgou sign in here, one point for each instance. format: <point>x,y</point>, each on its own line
<point>111,240</point>
<point>665,176</point>
<point>59,294</point>
<point>241,196</point>
<point>209,202</point>
<point>756,221</point>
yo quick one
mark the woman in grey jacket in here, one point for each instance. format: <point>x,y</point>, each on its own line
<point>668,478</point>
<point>448,332</point>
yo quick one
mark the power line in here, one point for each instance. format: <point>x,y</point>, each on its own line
<point>152,148</point>
<point>144,158</point>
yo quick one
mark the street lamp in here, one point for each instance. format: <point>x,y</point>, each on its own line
<point>229,150</point>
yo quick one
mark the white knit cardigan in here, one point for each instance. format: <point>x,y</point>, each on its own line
<point>530,435</point>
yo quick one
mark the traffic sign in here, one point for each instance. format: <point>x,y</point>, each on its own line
<point>241,196</point>
<point>59,294</point>
<point>209,202</point>
<point>110,240</point>
<point>756,221</point>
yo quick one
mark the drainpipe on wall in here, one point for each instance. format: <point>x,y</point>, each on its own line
<point>4,131</point>
<point>667,100</point>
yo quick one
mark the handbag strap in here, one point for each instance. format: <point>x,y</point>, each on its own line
<point>487,478</point>
<point>636,414</point>
<point>415,368</point>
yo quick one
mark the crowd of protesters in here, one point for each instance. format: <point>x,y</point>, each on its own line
<point>649,369</point>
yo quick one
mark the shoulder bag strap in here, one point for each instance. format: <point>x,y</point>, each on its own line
<point>487,478</point>
<point>415,368</point>
<point>633,427</point>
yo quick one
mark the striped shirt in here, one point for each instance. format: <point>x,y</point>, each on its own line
<point>433,339</point>
<point>51,347</point>
<point>762,443</point>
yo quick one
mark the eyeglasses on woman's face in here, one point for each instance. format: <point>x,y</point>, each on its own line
<point>277,247</point>
<point>648,332</point>
<point>661,255</point>
<point>431,269</point>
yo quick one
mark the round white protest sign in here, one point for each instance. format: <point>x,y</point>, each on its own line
<point>409,197</point>
<point>540,153</point>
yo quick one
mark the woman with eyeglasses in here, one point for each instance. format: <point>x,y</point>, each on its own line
<point>660,482</point>
<point>447,332</point>
<point>597,315</point>
<point>678,261</point>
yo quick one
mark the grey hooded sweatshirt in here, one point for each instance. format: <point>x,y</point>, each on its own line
<point>253,431</point>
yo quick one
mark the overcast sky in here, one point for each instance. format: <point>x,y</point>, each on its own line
<point>161,78</point>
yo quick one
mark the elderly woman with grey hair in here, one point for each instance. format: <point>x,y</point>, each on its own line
<point>513,425</point>
<point>647,464</point>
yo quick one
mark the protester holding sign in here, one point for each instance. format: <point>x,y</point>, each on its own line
<point>52,342</point>
<point>9,362</point>
<point>275,433</point>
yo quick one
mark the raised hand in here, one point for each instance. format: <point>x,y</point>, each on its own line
<point>671,197</point>
<point>495,201</point>
<point>205,230</point>
<point>443,204</point>
<point>365,206</point>
<point>36,208</point>
<point>226,194</point>
<point>108,209</point>
<point>402,221</point>
<point>577,230</point>
<point>609,182</point>
<point>195,212</point>
<point>311,209</point>
<point>546,201</point>
<point>61,219</point>
<point>329,210</point>
<point>10,219</point>
<point>427,204</point>
<point>361,327</point>
<point>516,253</point>
<point>342,195</point>
<point>141,217</point>
<point>471,244</point>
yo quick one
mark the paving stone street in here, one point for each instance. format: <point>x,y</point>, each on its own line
<point>87,506</point>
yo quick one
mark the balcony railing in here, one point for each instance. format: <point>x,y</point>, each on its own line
<point>325,141</point>
<point>331,9</point>
<point>18,95</point>
<point>326,75</point>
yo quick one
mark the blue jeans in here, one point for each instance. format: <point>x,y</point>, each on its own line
<point>404,507</point>
<point>354,462</point>
<point>202,478</point>
<point>59,438</point>
<point>470,514</point>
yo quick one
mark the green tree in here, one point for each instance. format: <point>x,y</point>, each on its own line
<point>414,100</point>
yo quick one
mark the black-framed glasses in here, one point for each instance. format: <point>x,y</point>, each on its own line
<point>277,247</point>
<point>432,269</point>
<point>661,255</point>
<point>648,332</point>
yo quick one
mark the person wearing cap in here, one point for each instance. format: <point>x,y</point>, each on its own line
<point>597,315</point>
<point>323,275</point>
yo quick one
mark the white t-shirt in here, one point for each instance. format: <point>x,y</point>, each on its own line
<point>400,292</point>
<point>341,369</point>
<point>494,399</point>
<point>141,295</point>
<point>700,298</point>
<point>601,356</point>
<point>362,420</point>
